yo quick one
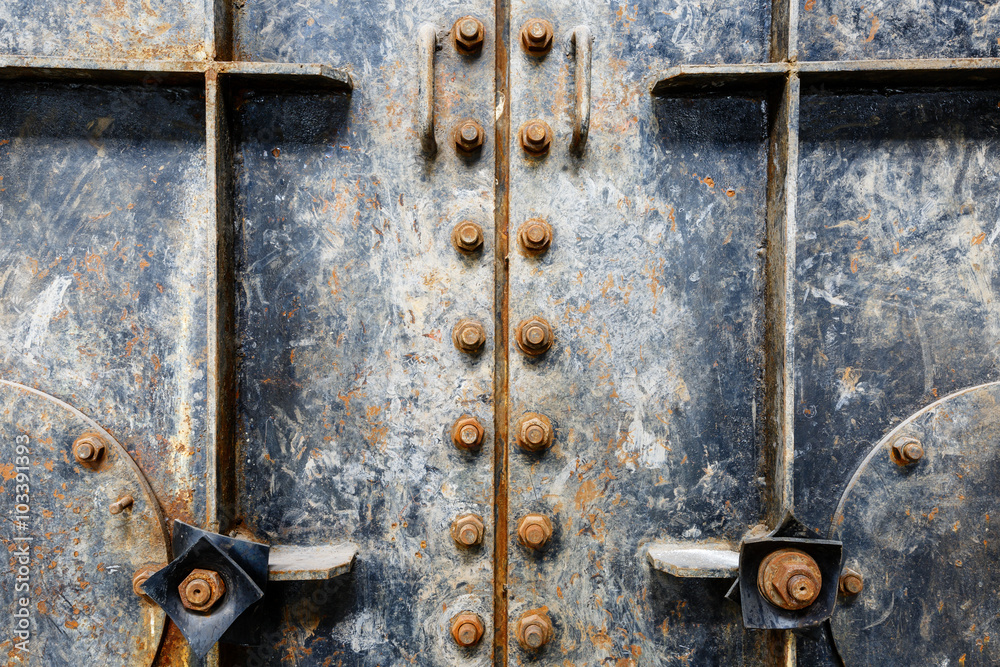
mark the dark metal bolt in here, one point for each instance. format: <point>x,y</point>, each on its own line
<point>467,628</point>
<point>536,137</point>
<point>121,504</point>
<point>906,451</point>
<point>851,583</point>
<point>534,629</point>
<point>469,135</point>
<point>467,236</point>
<point>534,336</point>
<point>469,33</point>
<point>467,530</point>
<point>467,433</point>
<point>89,449</point>
<point>789,579</point>
<point>534,530</point>
<point>535,236</point>
<point>201,589</point>
<point>469,336</point>
<point>536,37</point>
<point>534,432</point>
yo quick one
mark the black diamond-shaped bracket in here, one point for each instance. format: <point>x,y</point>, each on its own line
<point>242,566</point>
<point>759,612</point>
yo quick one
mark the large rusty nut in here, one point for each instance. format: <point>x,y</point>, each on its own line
<point>535,137</point>
<point>469,34</point>
<point>467,530</point>
<point>467,237</point>
<point>534,432</point>
<point>201,589</point>
<point>534,629</point>
<point>535,236</point>
<point>467,629</point>
<point>851,582</point>
<point>536,37</point>
<point>140,577</point>
<point>467,433</point>
<point>469,336</point>
<point>469,136</point>
<point>534,530</point>
<point>534,336</point>
<point>789,579</point>
<point>906,451</point>
<point>89,449</point>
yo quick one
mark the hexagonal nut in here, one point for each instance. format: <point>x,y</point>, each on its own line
<point>534,432</point>
<point>469,35</point>
<point>906,451</point>
<point>467,530</point>
<point>535,137</point>
<point>201,590</point>
<point>469,136</point>
<point>141,576</point>
<point>534,530</point>
<point>469,336</point>
<point>89,449</point>
<point>534,629</point>
<point>534,336</point>
<point>535,236</point>
<point>467,628</point>
<point>851,582</point>
<point>789,579</point>
<point>536,37</point>
<point>467,237</point>
<point>467,434</point>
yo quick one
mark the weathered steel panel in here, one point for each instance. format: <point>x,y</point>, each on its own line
<point>860,29</point>
<point>103,269</point>
<point>896,273</point>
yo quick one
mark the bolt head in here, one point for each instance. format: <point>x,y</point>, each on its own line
<point>534,432</point>
<point>534,530</point>
<point>851,583</point>
<point>467,433</point>
<point>469,35</point>
<point>89,449</point>
<point>535,236</point>
<point>467,530</point>
<point>534,629</point>
<point>536,37</point>
<point>467,237</point>
<point>906,451</point>
<point>536,137</point>
<point>789,579</point>
<point>534,336</point>
<point>140,578</point>
<point>469,136</point>
<point>467,628</point>
<point>201,589</point>
<point>469,336</point>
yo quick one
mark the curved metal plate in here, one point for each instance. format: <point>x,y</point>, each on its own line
<point>920,536</point>
<point>66,591</point>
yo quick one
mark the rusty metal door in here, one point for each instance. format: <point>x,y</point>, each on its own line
<point>557,333</point>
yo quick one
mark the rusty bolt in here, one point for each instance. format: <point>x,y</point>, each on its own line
<point>534,336</point>
<point>467,530</point>
<point>469,34</point>
<point>536,37</point>
<point>469,336</point>
<point>534,629</point>
<point>789,579</point>
<point>201,589</point>
<point>467,236</point>
<point>122,503</point>
<point>535,236</point>
<point>534,432</point>
<point>89,449</point>
<point>141,576</point>
<point>851,582</point>
<point>467,628</point>
<point>535,137</point>
<point>469,136</point>
<point>906,451</point>
<point>534,530</point>
<point>467,433</point>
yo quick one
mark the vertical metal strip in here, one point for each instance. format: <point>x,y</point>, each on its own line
<point>219,30</point>
<point>784,30</point>
<point>501,374</point>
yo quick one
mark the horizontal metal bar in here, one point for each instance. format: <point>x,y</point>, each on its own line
<point>295,563</point>
<point>304,76</point>
<point>693,77</point>
<point>702,560</point>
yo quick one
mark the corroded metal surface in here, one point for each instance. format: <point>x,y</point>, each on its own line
<point>921,536</point>
<point>69,563</point>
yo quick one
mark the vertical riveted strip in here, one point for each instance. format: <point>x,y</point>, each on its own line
<point>501,387</point>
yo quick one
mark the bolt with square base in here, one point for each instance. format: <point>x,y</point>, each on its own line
<point>535,236</point>
<point>467,629</point>
<point>534,432</point>
<point>467,530</point>
<point>534,629</point>
<point>469,35</point>
<point>89,449</point>
<point>536,37</point>
<point>467,433</point>
<point>469,336</point>
<point>534,530</point>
